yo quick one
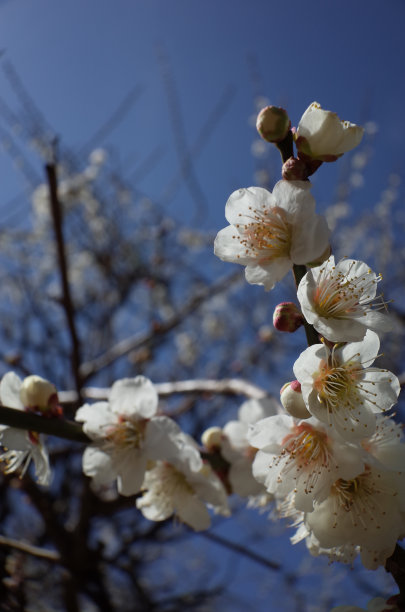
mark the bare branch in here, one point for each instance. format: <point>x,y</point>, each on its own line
<point>67,300</point>
<point>226,386</point>
<point>33,422</point>
<point>36,551</point>
<point>157,333</point>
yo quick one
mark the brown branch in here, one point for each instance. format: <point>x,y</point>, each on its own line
<point>73,431</point>
<point>33,422</point>
<point>156,334</point>
<point>36,551</point>
<point>63,269</point>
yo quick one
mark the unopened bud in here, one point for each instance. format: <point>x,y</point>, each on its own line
<point>287,317</point>
<point>321,135</point>
<point>211,438</point>
<point>37,393</point>
<point>294,170</point>
<point>273,123</point>
<point>292,400</point>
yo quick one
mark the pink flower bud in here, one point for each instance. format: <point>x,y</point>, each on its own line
<point>294,170</point>
<point>273,123</point>
<point>287,317</point>
<point>292,400</point>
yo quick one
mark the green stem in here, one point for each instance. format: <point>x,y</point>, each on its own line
<point>311,334</point>
<point>54,427</point>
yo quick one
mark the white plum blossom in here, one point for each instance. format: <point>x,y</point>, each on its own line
<point>366,513</point>
<point>340,301</point>
<point>386,446</point>
<point>237,450</point>
<point>32,394</point>
<point>269,232</point>
<point>322,135</point>
<point>301,458</point>
<point>341,389</point>
<point>183,487</point>
<point>126,433</point>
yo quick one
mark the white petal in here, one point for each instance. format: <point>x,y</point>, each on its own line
<point>134,397</point>
<point>268,274</point>
<point>98,465</point>
<point>238,208</point>
<point>15,439</point>
<point>10,386</point>
<point>96,419</point>
<point>131,472</point>
<point>193,512</point>
<point>228,248</point>
<point>253,410</point>
<point>269,432</point>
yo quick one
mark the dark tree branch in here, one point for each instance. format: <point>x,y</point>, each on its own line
<point>63,269</point>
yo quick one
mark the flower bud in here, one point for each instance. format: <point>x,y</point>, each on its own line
<point>212,438</point>
<point>287,317</point>
<point>323,136</point>
<point>294,170</point>
<point>37,393</point>
<point>292,400</point>
<point>273,123</point>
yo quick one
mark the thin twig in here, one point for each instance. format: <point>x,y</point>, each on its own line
<point>157,333</point>
<point>240,550</point>
<point>35,551</point>
<point>63,268</point>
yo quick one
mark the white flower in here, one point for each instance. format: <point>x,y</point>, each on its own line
<point>269,232</point>
<point>340,389</point>
<point>301,458</point>
<point>364,512</point>
<point>386,446</point>
<point>340,300</point>
<point>183,487</point>
<point>126,434</point>
<point>237,450</point>
<point>322,135</point>
<point>23,446</point>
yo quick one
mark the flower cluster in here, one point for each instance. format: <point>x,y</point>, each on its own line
<point>148,453</point>
<point>333,463</point>
<point>330,458</point>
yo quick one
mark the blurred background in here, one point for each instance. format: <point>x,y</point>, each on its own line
<point>149,109</point>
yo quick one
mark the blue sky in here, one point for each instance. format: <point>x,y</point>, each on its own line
<point>79,58</point>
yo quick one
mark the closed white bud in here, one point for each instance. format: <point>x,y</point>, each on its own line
<point>35,392</point>
<point>292,400</point>
<point>322,135</point>
<point>212,438</point>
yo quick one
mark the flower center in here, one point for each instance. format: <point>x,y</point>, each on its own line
<point>340,295</point>
<point>365,497</point>
<point>336,383</point>
<point>306,445</point>
<point>166,482</point>
<point>125,435</point>
<point>268,235</point>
